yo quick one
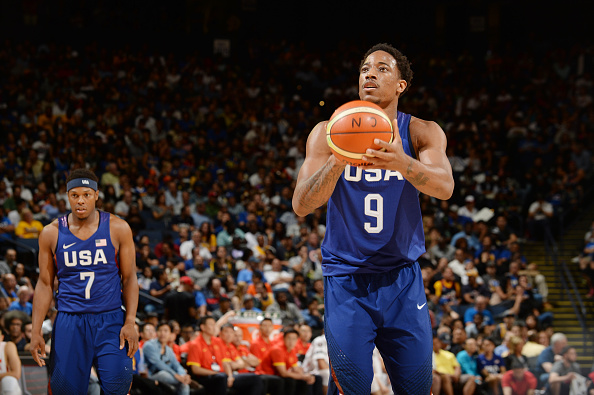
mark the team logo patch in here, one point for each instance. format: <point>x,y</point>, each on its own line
<point>101,243</point>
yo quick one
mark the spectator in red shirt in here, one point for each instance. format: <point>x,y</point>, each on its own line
<point>243,347</point>
<point>262,344</point>
<point>518,380</point>
<point>282,361</point>
<point>272,385</point>
<point>304,341</point>
<point>210,364</point>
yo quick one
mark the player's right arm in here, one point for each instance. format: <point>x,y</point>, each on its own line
<point>44,288</point>
<point>318,174</point>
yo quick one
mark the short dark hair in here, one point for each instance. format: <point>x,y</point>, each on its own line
<point>288,331</point>
<point>81,173</point>
<point>265,319</point>
<point>165,323</point>
<point>401,61</point>
<point>204,319</point>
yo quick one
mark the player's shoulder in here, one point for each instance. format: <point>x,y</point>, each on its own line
<point>116,223</point>
<point>424,132</point>
<point>50,231</point>
<point>319,129</point>
<point>418,125</point>
<point>119,229</point>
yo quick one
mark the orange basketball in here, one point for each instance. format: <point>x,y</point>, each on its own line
<point>353,127</point>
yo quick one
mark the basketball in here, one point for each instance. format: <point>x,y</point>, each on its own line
<point>353,127</point>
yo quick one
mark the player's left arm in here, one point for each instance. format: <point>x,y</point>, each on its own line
<point>431,174</point>
<point>124,241</point>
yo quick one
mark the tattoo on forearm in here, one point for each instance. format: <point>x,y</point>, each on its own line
<point>315,191</point>
<point>419,179</point>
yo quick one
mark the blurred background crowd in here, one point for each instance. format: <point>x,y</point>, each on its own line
<point>199,153</point>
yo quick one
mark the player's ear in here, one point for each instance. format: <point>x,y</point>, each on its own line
<point>96,195</point>
<point>401,87</point>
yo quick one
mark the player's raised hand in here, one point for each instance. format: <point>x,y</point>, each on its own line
<point>128,333</point>
<point>38,349</point>
<point>389,155</point>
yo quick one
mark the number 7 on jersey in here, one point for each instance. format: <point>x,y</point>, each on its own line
<point>91,276</point>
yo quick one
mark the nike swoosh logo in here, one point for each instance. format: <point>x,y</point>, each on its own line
<point>68,246</point>
<point>421,306</point>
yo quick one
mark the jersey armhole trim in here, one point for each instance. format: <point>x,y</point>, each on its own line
<point>413,153</point>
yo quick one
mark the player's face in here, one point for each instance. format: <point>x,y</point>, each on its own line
<point>379,79</point>
<point>82,200</point>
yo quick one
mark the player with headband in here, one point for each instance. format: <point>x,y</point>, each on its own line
<point>92,254</point>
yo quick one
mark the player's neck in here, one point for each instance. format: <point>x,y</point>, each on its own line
<point>207,338</point>
<point>392,109</point>
<point>88,221</point>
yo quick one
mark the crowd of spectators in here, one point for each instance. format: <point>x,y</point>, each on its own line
<point>199,154</point>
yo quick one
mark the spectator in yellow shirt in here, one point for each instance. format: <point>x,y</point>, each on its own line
<point>28,228</point>
<point>447,366</point>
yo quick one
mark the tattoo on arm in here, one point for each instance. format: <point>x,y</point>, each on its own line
<point>409,168</point>
<point>419,179</point>
<point>316,190</point>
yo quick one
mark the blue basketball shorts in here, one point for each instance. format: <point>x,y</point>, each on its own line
<point>80,341</point>
<point>387,310</point>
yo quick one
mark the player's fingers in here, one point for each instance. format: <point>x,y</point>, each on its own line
<point>133,347</point>
<point>37,356</point>
<point>373,155</point>
<point>383,144</point>
<point>396,138</point>
<point>121,340</point>
<point>395,126</point>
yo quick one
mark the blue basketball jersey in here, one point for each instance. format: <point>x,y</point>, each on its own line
<point>374,219</point>
<point>88,270</point>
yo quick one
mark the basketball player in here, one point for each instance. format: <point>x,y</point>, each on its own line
<point>374,294</point>
<point>92,254</point>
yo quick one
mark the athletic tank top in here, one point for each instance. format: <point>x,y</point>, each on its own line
<point>374,220</point>
<point>88,270</point>
<point>3,366</point>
